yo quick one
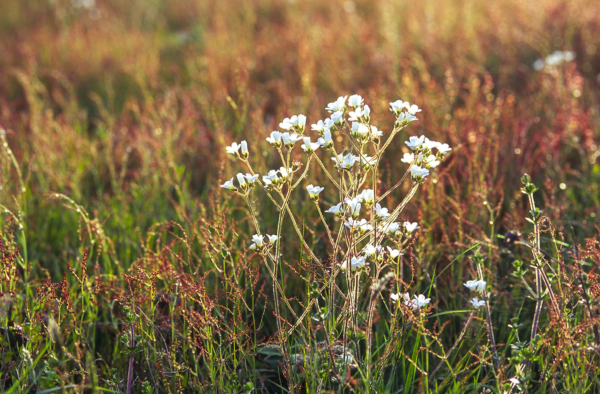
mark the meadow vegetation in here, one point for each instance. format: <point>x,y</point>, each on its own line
<point>124,267</point>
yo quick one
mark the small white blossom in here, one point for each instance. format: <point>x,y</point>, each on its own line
<point>320,127</point>
<point>290,139</point>
<point>242,180</point>
<point>284,173</point>
<point>443,149</point>
<point>353,224</point>
<point>381,213</point>
<point>309,147</point>
<point>313,191</point>
<point>336,209</point>
<point>337,117</point>
<point>375,133</point>
<point>272,238</point>
<point>337,105</point>
<point>296,121</point>
<point>415,143</point>
<point>233,149</point>
<point>418,173</point>
<point>229,185</point>
<point>476,303</point>
<point>355,101</point>
<point>371,250</point>
<point>476,285</point>
<point>406,118</point>
<point>244,146</point>
<point>418,302</point>
<point>392,228</point>
<point>429,144</point>
<point>257,241</point>
<point>359,131</point>
<point>413,109</point>
<point>353,205</point>
<point>431,161</point>
<point>394,296</point>
<point>365,227</point>
<point>355,263</point>
<point>275,139</point>
<point>368,162</point>
<point>394,252</point>
<point>367,197</point>
<point>410,227</point>
<point>251,178</point>
<point>397,106</point>
<point>325,142</point>
<point>408,158</point>
<point>359,113</point>
<point>271,178</point>
<point>346,162</point>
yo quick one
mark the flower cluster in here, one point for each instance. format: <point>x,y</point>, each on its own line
<point>366,236</point>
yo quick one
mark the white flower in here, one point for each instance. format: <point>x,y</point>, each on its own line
<point>325,142</point>
<point>418,302</point>
<point>336,209</point>
<point>418,173</point>
<point>355,101</point>
<point>360,113</point>
<point>229,185</point>
<point>406,118</point>
<point>233,149</point>
<point>429,144</point>
<point>415,143</point>
<point>313,191</point>
<point>367,197</point>
<point>290,140</point>
<point>392,228</point>
<point>353,206</point>
<point>251,178</point>
<point>320,127</point>
<point>296,121</point>
<point>258,241</point>
<point>301,123</point>
<point>410,227</point>
<point>413,109</point>
<point>381,213</point>
<point>394,297</point>
<point>443,149</point>
<point>272,238</point>
<point>308,146</point>
<point>355,263</point>
<point>476,303</point>
<point>242,180</point>
<point>408,158</point>
<point>375,133</point>
<point>394,252</point>
<point>337,117</point>
<point>275,139</point>
<point>244,146</point>
<point>476,285</point>
<point>346,162</point>
<point>359,131</point>
<point>337,105</point>
<point>371,250</point>
<point>353,224</point>
<point>271,178</point>
<point>431,161</point>
<point>397,106</point>
<point>284,173</point>
<point>367,161</point>
<point>364,227</point>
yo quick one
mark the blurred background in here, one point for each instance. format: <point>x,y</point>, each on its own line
<point>126,107</point>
